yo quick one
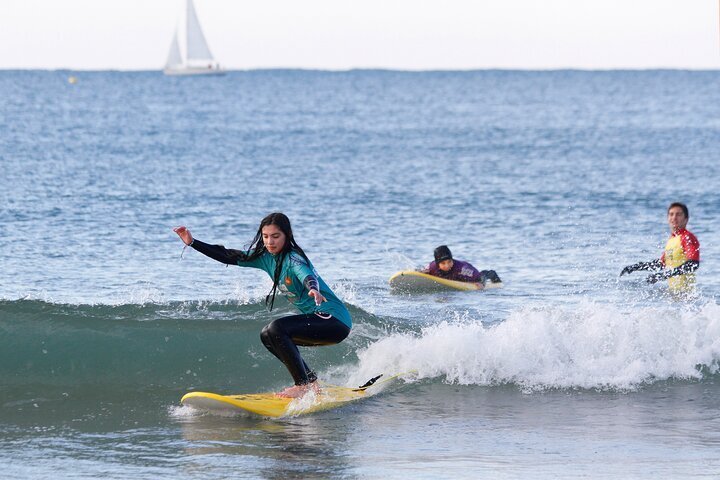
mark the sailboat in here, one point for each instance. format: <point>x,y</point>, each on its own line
<point>189,52</point>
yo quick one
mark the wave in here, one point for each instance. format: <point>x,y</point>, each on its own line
<point>215,345</point>
<point>178,345</point>
<point>591,346</point>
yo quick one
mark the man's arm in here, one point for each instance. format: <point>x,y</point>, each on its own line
<point>687,267</point>
<point>652,265</point>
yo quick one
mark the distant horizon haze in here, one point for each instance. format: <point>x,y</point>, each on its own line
<point>400,35</point>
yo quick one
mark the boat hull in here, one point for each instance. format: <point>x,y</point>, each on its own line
<point>186,71</point>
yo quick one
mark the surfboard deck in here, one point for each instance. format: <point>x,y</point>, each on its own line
<point>270,405</point>
<point>410,281</point>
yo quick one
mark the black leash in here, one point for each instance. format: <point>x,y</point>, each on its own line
<point>368,383</point>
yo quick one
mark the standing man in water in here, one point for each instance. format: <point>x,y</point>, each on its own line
<point>681,256</point>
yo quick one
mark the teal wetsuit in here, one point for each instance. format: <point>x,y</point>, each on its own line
<point>325,324</point>
<point>295,271</point>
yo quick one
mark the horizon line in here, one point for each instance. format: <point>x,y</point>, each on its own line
<point>375,69</point>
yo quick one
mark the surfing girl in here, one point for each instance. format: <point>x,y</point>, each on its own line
<point>323,320</point>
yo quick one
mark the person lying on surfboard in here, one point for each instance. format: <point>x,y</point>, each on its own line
<point>448,268</point>
<point>324,319</point>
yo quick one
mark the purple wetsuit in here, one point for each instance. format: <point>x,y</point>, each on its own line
<point>460,271</point>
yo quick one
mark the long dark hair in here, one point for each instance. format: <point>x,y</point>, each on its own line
<point>257,249</point>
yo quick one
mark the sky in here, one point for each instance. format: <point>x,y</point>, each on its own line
<point>345,34</point>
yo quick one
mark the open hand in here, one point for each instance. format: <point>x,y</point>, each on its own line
<point>628,269</point>
<point>317,296</point>
<point>184,234</point>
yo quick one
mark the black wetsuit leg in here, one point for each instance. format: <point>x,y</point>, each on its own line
<point>282,337</point>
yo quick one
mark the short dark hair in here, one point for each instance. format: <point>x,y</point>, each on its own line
<point>682,206</point>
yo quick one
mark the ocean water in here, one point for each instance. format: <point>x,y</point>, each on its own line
<point>556,180</point>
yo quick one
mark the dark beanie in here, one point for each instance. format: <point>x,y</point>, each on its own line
<point>442,253</point>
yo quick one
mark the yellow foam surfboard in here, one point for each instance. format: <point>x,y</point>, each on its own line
<point>410,281</point>
<point>270,405</point>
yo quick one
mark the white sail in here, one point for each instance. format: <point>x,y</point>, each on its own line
<point>189,52</point>
<point>174,58</point>
<point>197,48</point>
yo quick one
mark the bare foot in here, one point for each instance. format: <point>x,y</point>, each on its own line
<point>297,391</point>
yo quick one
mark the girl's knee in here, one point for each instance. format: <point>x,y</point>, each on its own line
<point>271,330</point>
<point>264,335</point>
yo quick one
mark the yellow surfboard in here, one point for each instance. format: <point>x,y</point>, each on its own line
<point>410,281</point>
<point>270,405</point>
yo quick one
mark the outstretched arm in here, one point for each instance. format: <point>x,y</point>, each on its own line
<point>220,253</point>
<point>216,252</point>
<point>653,265</point>
<point>184,234</point>
<point>687,267</point>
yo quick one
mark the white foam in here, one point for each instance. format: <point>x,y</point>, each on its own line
<point>140,295</point>
<point>247,293</point>
<point>346,291</point>
<point>186,411</point>
<point>401,261</point>
<point>589,346</point>
<point>183,411</point>
<point>301,404</point>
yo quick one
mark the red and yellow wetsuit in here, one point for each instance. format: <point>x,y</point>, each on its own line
<point>678,262</point>
<point>681,247</point>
